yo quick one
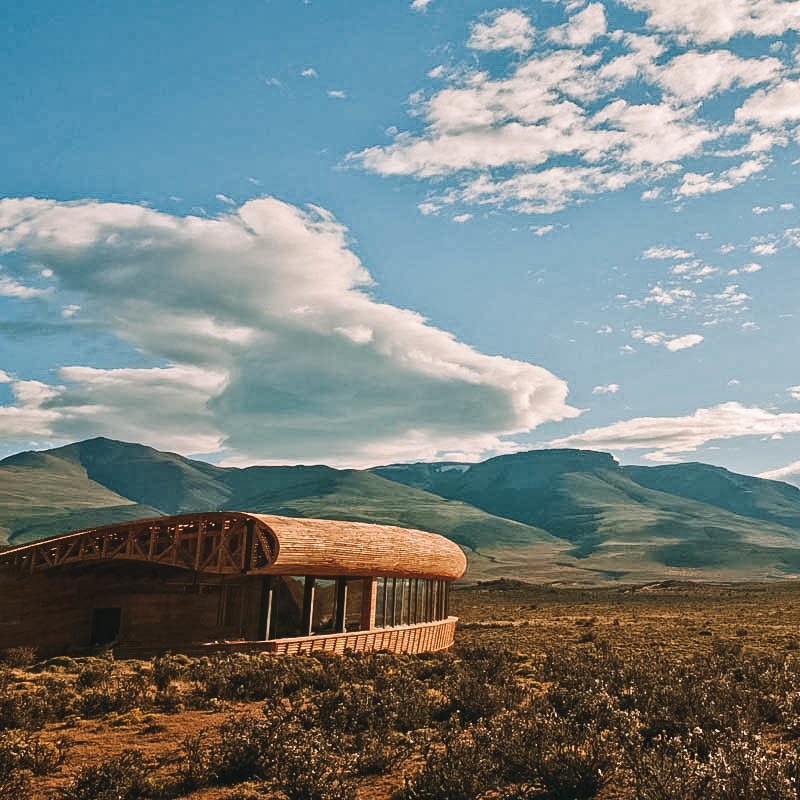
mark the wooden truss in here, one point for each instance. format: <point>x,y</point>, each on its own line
<point>216,543</point>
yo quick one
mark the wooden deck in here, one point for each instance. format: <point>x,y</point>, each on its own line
<point>423,637</point>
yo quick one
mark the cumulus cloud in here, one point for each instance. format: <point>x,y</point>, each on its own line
<point>9,287</point>
<point>265,342</point>
<point>665,437</point>
<point>695,184</point>
<point>774,106</point>
<point>504,29</point>
<point>337,94</point>
<point>558,124</point>
<point>671,343</point>
<point>694,75</point>
<point>609,388</point>
<point>420,5</point>
<point>794,392</point>
<point>666,252</point>
<point>719,20</point>
<point>582,28</point>
<point>790,473</point>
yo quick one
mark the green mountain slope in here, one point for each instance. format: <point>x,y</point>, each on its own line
<point>615,523</point>
<point>773,501</point>
<point>42,494</point>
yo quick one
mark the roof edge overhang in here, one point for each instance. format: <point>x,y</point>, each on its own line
<point>236,542</point>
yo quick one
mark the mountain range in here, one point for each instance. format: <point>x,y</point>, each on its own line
<point>544,515</point>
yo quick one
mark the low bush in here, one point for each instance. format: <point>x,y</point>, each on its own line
<point>126,777</point>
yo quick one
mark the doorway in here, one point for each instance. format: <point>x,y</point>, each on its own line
<point>105,625</point>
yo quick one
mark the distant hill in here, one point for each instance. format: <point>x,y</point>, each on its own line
<point>631,520</point>
<point>544,515</point>
<point>751,497</point>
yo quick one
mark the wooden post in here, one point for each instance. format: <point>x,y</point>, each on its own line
<point>308,605</point>
<point>247,546</point>
<point>369,599</point>
<point>265,608</point>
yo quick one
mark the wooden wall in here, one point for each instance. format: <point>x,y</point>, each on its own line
<point>160,606</point>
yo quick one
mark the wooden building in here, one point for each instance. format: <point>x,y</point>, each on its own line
<point>230,581</point>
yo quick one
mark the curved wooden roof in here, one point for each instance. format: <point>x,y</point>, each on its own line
<point>235,542</point>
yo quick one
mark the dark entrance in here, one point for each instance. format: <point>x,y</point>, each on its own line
<point>105,625</point>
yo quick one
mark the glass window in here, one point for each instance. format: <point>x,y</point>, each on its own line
<point>391,602</point>
<point>323,617</point>
<point>287,606</point>
<point>380,602</point>
<point>406,618</point>
<point>354,598</point>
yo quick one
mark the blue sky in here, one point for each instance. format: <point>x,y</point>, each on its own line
<point>288,232</point>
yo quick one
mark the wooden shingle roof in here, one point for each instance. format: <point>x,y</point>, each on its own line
<point>229,542</point>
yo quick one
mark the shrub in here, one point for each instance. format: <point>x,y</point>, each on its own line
<point>19,657</point>
<point>21,752</point>
<point>462,767</point>
<point>126,777</point>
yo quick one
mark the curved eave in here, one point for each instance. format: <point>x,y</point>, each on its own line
<point>273,545</point>
<point>332,547</point>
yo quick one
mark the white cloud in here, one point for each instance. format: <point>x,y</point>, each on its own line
<point>665,437</point>
<point>309,72</point>
<point>671,343</point>
<point>731,297</point>
<point>462,217</point>
<point>683,342</point>
<point>666,252</point>
<point>604,330</point>
<point>734,382</point>
<point>719,20</point>
<point>786,206</point>
<point>503,29</point>
<point>557,125</point>
<point>337,94</point>
<point>774,106</point>
<point>541,230</point>
<point>273,347</point>
<point>794,391</point>
<point>693,76</point>
<point>70,311</point>
<point>767,249</point>
<point>420,5</point>
<point>668,297</point>
<point>12,288</point>
<point>758,210</point>
<point>703,235</point>
<point>609,388</point>
<point>582,28</point>
<point>695,184</point>
<point>223,198</point>
<point>789,473</point>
